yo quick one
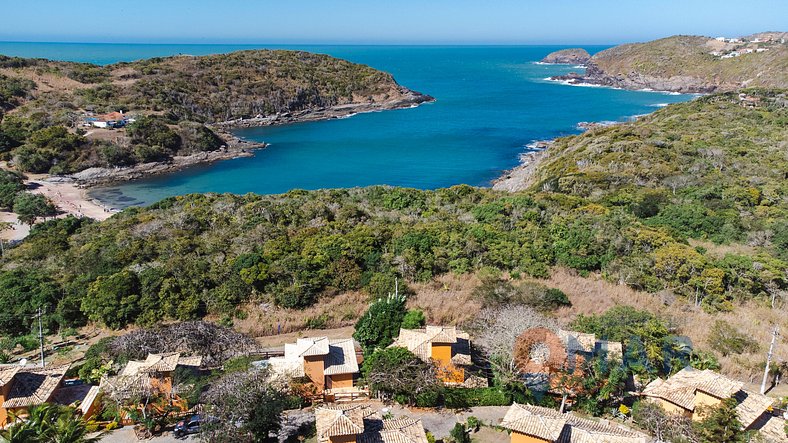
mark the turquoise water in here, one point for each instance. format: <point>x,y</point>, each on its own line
<point>491,103</point>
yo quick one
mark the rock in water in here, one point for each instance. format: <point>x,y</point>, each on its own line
<point>573,56</point>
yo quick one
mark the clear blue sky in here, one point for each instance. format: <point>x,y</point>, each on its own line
<point>384,22</point>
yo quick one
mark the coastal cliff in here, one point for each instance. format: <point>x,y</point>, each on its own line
<point>125,120</point>
<point>690,64</point>
<point>571,56</point>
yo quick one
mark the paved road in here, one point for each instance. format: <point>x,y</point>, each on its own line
<point>126,435</point>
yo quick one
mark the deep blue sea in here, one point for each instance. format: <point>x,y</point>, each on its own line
<point>492,101</point>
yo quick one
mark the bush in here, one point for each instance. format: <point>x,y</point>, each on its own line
<point>413,319</point>
<point>459,434</point>
<point>462,398</point>
<point>380,324</point>
<point>726,339</point>
<point>29,207</point>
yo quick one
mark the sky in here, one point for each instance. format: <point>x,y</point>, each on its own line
<point>384,22</point>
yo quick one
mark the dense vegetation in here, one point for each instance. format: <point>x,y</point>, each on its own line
<point>183,93</point>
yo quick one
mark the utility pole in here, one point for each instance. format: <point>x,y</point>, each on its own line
<point>41,335</point>
<point>396,286</point>
<point>775,333</point>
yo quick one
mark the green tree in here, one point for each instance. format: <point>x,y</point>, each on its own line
<point>265,416</point>
<point>153,131</point>
<point>413,319</point>
<point>721,424</point>
<point>29,207</point>
<point>50,423</point>
<point>459,434</point>
<point>113,300</point>
<point>380,324</point>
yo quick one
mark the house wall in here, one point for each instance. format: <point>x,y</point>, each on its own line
<point>339,381</point>
<point>162,382</point>
<point>523,438</point>
<point>703,400</point>
<point>447,372</point>
<point>672,408</point>
<point>314,368</point>
<point>441,352</point>
<point>342,439</point>
<point>4,390</point>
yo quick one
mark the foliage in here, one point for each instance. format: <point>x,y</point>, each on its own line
<point>413,319</point>
<point>50,423</point>
<point>726,340</point>
<point>22,292</point>
<point>380,324</point>
<point>459,434</point>
<point>664,426</point>
<point>650,348</point>
<point>29,207</point>
<point>397,373</point>
<point>720,424</point>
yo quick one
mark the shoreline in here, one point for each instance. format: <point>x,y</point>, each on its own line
<point>237,147</point>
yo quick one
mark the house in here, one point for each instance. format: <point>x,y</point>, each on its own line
<point>690,389</point>
<point>22,387</point>
<point>542,355</point>
<point>331,365</point>
<point>359,424</point>
<point>109,120</point>
<point>535,424</point>
<point>447,347</point>
<point>154,374</point>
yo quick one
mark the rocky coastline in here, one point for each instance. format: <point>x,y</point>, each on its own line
<point>236,147</point>
<point>572,56</point>
<point>636,81</point>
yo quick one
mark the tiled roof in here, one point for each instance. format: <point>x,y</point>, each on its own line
<point>680,388</point>
<point>577,341</point>
<point>535,421</point>
<point>751,406</point>
<point>136,376</point>
<point>582,430</point>
<point>7,373</point>
<point>774,430</point>
<point>419,342</point>
<point>341,358</point>
<point>34,386</point>
<point>613,349</point>
<point>307,347</point>
<point>335,420</point>
<point>400,430</point>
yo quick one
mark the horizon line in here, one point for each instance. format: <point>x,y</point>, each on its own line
<point>308,44</point>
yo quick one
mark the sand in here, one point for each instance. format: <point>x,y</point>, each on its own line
<point>64,194</point>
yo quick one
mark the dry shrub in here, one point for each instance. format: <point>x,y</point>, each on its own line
<point>447,300</point>
<point>328,313</point>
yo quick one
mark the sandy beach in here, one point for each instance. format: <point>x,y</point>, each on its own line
<point>69,199</point>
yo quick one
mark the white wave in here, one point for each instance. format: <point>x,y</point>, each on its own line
<point>659,105</point>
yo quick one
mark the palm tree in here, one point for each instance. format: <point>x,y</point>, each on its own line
<point>48,423</point>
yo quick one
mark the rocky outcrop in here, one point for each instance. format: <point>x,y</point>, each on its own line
<point>573,56</point>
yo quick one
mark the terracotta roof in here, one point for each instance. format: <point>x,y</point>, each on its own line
<point>307,347</point>
<point>535,421</point>
<point>7,373</point>
<point>751,406</point>
<point>774,429</point>
<point>335,420</point>
<point>341,358</point>
<point>419,342</point>
<point>582,430</point>
<point>136,376</point>
<point>400,430</point>
<point>34,386</point>
<point>680,389</point>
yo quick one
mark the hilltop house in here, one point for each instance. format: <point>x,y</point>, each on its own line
<point>110,120</point>
<point>541,354</point>
<point>690,389</point>
<point>359,424</point>
<point>331,365</point>
<point>447,347</point>
<point>535,424</point>
<point>22,387</point>
<point>154,374</point>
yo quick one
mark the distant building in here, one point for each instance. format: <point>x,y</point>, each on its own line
<point>110,120</point>
<point>447,347</point>
<point>535,424</point>
<point>690,389</point>
<point>331,365</point>
<point>155,374</point>
<point>359,424</point>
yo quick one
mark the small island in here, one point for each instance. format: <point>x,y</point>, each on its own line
<point>571,56</point>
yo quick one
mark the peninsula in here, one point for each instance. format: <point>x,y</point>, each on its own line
<point>690,64</point>
<point>571,56</point>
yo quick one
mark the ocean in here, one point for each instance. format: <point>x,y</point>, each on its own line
<point>491,103</point>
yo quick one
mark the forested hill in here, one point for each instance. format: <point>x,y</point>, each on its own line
<point>692,64</point>
<point>647,204</point>
<point>182,92</point>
